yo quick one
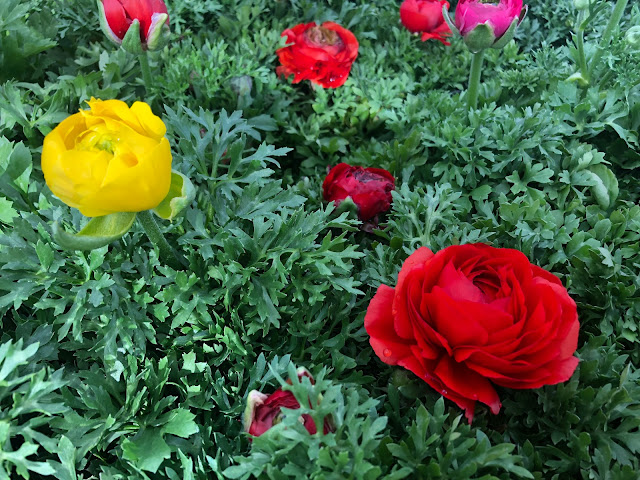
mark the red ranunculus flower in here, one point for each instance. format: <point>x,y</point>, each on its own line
<point>472,315</point>
<point>369,188</point>
<point>323,54</point>
<point>120,14</point>
<point>264,411</point>
<point>425,17</point>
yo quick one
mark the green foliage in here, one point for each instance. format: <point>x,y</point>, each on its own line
<point>435,449</point>
<point>26,29</point>
<point>288,451</point>
<point>30,398</point>
<point>594,416</point>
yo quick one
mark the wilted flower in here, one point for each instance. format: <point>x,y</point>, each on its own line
<point>369,188</point>
<point>425,17</point>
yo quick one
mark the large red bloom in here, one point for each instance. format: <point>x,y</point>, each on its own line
<point>425,17</point>
<point>471,316</point>
<point>369,188</point>
<point>323,54</point>
<point>120,14</point>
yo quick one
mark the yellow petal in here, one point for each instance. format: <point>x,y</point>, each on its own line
<point>137,188</point>
<point>70,128</point>
<point>152,124</point>
<point>139,117</point>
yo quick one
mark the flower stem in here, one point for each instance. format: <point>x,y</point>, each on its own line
<point>474,79</point>
<point>167,253</point>
<point>579,39</point>
<point>605,39</point>
<point>146,71</point>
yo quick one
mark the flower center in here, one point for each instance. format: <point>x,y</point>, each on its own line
<point>364,177</point>
<point>278,418</point>
<point>93,140</point>
<point>322,37</point>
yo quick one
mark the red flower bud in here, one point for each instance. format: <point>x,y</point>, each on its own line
<point>264,411</point>
<point>369,188</point>
<point>118,15</point>
<point>425,17</point>
<point>322,54</point>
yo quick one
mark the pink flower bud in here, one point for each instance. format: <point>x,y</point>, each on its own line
<point>118,15</point>
<point>488,21</point>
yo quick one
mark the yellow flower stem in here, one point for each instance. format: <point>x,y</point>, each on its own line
<point>146,71</point>
<point>167,253</point>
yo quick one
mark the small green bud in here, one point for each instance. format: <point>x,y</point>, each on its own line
<point>241,85</point>
<point>581,4</point>
<point>579,79</point>
<point>632,37</point>
<point>480,38</point>
<point>131,41</point>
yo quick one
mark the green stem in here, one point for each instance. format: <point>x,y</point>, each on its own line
<point>605,39</point>
<point>146,71</point>
<point>579,39</point>
<point>167,253</point>
<point>582,59</point>
<point>474,79</point>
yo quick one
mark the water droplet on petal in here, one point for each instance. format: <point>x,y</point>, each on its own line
<point>444,392</point>
<point>386,352</point>
<point>474,396</point>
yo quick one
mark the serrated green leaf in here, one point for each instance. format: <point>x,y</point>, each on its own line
<point>180,423</point>
<point>7,212</point>
<point>147,449</point>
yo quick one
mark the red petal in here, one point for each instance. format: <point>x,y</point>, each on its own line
<point>309,424</point>
<point>116,17</point>
<point>458,287</point>
<point>415,264</point>
<point>536,271</point>
<point>463,323</point>
<point>378,322</point>
<point>467,383</point>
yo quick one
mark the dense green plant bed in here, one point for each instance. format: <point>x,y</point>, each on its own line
<point>124,357</point>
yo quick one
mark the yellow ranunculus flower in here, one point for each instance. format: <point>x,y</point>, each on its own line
<point>108,159</point>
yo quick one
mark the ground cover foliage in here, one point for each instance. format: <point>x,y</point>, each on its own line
<point>116,366</point>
